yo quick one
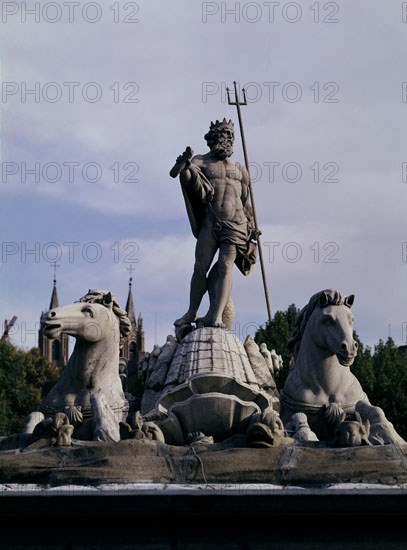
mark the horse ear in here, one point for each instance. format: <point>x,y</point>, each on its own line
<point>107,299</point>
<point>323,299</point>
<point>349,300</point>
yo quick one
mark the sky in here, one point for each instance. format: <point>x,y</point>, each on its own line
<point>98,100</point>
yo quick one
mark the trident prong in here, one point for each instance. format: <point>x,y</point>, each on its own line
<point>228,94</point>
<point>237,101</point>
<point>244,97</point>
<point>238,104</point>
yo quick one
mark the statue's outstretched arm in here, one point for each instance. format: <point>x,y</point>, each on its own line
<point>182,163</point>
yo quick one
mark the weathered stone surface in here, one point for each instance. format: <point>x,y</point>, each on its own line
<point>208,384</point>
<point>210,351</point>
<point>210,388</point>
<point>16,441</point>
<point>299,429</point>
<point>155,371</point>
<point>93,463</point>
<point>216,414</point>
<point>259,364</point>
<point>89,463</point>
<point>378,464</point>
<point>158,375</point>
<point>105,425</point>
<point>149,400</point>
<point>273,360</point>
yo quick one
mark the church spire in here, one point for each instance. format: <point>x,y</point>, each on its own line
<point>133,344</point>
<point>54,296</point>
<point>55,350</point>
<point>129,304</point>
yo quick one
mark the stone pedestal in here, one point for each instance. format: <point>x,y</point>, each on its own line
<point>91,463</point>
<point>210,388</point>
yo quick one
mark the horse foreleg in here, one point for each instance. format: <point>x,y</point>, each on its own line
<point>105,425</point>
<point>33,419</point>
<point>382,431</point>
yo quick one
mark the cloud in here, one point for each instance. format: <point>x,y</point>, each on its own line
<point>173,58</point>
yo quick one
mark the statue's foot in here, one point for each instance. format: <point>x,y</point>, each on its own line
<point>186,319</point>
<point>209,321</point>
<point>182,331</point>
<point>215,323</point>
<point>204,321</point>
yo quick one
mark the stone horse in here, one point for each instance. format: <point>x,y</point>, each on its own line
<point>321,384</point>
<point>90,385</point>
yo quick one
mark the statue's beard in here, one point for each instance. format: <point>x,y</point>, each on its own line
<point>222,149</point>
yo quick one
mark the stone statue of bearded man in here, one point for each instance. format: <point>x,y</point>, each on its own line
<point>215,189</point>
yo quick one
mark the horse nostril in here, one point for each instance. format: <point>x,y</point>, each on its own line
<point>344,346</point>
<point>356,345</point>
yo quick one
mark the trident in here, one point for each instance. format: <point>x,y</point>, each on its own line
<point>239,114</point>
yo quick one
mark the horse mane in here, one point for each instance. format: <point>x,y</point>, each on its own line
<point>333,297</point>
<point>94,296</point>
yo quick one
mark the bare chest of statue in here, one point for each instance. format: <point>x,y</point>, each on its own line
<point>226,178</point>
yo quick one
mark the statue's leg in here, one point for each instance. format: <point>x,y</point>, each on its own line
<point>382,431</point>
<point>205,250</point>
<point>211,284</point>
<point>223,286</point>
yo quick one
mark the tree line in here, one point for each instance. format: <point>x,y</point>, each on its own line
<point>25,378</point>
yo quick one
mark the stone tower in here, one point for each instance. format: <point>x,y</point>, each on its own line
<point>133,345</point>
<point>56,350</point>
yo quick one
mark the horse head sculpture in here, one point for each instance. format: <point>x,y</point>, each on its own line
<point>97,322</point>
<point>328,318</point>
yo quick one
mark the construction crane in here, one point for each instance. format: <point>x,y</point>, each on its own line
<point>7,326</point>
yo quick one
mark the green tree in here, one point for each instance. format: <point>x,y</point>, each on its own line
<point>276,335</point>
<point>363,367</point>
<point>25,378</point>
<point>390,389</point>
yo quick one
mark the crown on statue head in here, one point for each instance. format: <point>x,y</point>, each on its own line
<point>222,124</point>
